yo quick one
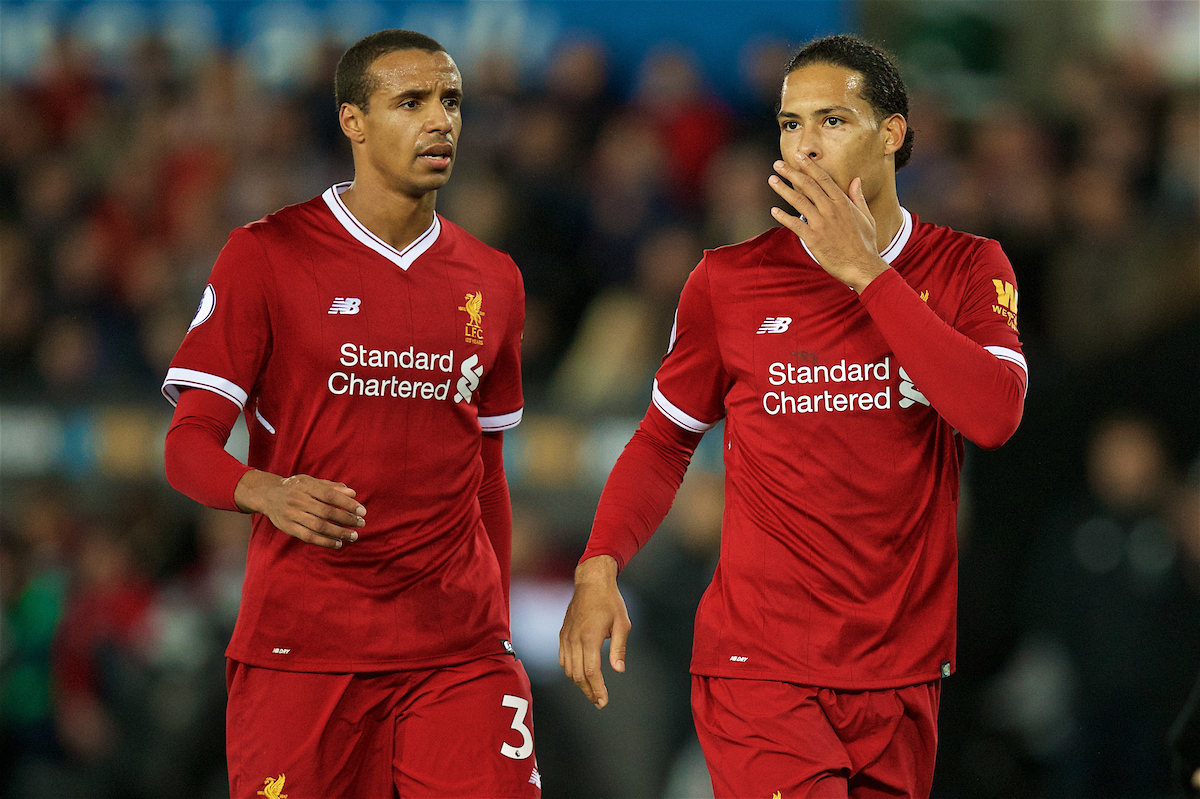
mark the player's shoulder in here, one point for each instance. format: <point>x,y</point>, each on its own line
<point>286,222</point>
<point>751,252</point>
<point>947,242</point>
<point>475,250</point>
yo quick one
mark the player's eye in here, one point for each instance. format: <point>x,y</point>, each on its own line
<point>789,125</point>
<point>834,122</point>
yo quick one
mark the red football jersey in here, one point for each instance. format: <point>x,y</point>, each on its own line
<point>378,368</point>
<point>838,562</point>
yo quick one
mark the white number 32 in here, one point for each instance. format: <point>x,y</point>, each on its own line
<point>521,706</point>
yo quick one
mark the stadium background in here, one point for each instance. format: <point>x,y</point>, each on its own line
<point>604,145</point>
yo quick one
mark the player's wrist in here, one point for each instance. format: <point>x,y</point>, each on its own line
<point>867,274</point>
<point>596,569</point>
<point>250,493</point>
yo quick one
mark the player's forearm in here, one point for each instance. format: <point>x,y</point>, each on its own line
<point>495,504</point>
<point>194,455</point>
<point>640,488</point>
<point>979,394</point>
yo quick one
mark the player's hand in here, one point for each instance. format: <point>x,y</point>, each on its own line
<point>837,227</point>
<point>316,511</point>
<point>596,612</point>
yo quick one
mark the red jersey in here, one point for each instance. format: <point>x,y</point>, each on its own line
<point>838,563</point>
<point>378,368</point>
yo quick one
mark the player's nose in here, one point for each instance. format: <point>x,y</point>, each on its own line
<point>809,145</point>
<point>439,119</point>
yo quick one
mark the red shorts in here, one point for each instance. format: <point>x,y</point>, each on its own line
<point>776,739</point>
<point>455,731</point>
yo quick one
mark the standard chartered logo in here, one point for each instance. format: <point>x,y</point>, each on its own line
<point>836,388</point>
<point>404,374</point>
<point>472,371</point>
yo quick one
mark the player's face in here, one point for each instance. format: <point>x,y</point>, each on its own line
<point>412,120</point>
<point>823,114</point>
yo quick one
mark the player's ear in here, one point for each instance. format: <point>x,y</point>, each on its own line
<point>350,117</point>
<point>894,129</point>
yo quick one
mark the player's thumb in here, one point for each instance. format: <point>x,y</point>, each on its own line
<point>616,649</point>
<point>857,197</point>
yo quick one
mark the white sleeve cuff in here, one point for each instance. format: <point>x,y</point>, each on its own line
<point>672,412</point>
<point>178,379</point>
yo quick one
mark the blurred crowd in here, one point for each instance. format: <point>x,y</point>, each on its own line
<point>1080,540</point>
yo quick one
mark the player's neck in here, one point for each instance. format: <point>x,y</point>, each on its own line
<point>396,218</point>
<point>888,217</point>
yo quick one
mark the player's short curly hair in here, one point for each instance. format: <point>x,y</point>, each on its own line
<point>883,87</point>
<point>353,82</point>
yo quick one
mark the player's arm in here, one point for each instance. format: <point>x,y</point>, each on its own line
<point>316,511</point>
<point>977,389</point>
<point>495,506</point>
<point>636,498</point>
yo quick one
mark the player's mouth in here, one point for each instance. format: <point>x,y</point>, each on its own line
<point>437,156</point>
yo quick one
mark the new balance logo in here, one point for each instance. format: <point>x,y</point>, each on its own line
<point>345,305</point>
<point>535,779</point>
<point>775,324</point>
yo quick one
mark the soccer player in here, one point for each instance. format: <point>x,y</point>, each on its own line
<point>849,351</point>
<point>374,349</point>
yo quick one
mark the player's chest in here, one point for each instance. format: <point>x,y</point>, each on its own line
<point>428,318</point>
<point>794,325</point>
<point>792,316</point>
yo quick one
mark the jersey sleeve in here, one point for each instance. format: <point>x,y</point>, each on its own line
<point>230,337</point>
<point>691,383</point>
<point>971,372</point>
<point>501,401</point>
<point>989,309</point>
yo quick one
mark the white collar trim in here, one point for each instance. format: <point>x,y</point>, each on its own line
<point>894,248</point>
<point>901,238</point>
<point>401,258</point>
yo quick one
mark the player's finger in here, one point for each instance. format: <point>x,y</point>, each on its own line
<point>792,223</point>
<point>326,528</point>
<point>801,183</point>
<point>332,495</point>
<point>792,197</point>
<point>593,677</point>
<point>577,670</point>
<point>858,198</point>
<point>324,519</point>
<point>815,172</point>
<point>337,494</point>
<point>310,536</point>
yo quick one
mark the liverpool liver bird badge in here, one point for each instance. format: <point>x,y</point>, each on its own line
<point>273,788</point>
<point>474,309</point>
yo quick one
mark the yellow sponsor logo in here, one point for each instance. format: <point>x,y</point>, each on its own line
<point>1006,301</point>
<point>474,309</point>
<point>273,788</point>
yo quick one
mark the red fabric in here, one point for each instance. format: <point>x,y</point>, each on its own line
<point>980,395</point>
<point>641,487</point>
<point>459,730</point>
<point>357,363</point>
<point>196,462</point>
<point>495,506</point>
<point>839,562</point>
<point>767,738</point>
